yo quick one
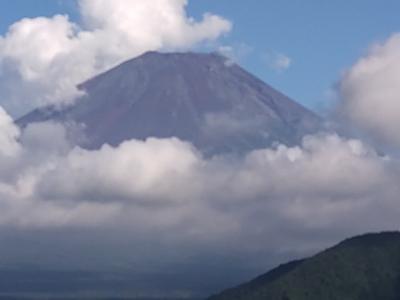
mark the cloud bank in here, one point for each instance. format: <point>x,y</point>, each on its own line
<point>267,203</point>
<point>43,59</point>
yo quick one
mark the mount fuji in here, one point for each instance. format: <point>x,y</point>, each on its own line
<point>201,98</point>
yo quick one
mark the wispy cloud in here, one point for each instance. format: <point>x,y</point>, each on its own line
<point>236,53</point>
<point>278,62</point>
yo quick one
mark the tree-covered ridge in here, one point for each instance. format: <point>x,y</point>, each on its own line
<point>362,268</point>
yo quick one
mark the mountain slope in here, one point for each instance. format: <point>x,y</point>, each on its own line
<point>362,268</point>
<point>200,98</point>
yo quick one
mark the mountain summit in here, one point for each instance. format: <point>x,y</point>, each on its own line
<point>201,98</point>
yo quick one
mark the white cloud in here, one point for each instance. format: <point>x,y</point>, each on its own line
<point>370,92</point>
<point>236,53</point>
<point>278,62</point>
<point>24,159</point>
<point>134,171</point>
<point>282,62</point>
<point>321,185</point>
<point>151,24</point>
<point>43,59</point>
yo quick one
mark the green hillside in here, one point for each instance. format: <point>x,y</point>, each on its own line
<point>362,268</point>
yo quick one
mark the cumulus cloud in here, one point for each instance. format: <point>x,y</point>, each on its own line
<point>139,172</point>
<point>370,94</point>
<point>321,185</point>
<point>24,159</point>
<point>43,59</point>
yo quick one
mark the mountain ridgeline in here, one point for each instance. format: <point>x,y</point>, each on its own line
<point>197,97</point>
<point>362,268</point>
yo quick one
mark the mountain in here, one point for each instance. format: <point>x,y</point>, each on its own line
<point>197,97</point>
<point>362,268</point>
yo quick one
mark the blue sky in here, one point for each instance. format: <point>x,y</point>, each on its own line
<point>322,38</point>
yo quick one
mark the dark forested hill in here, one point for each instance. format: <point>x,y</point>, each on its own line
<point>362,268</point>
